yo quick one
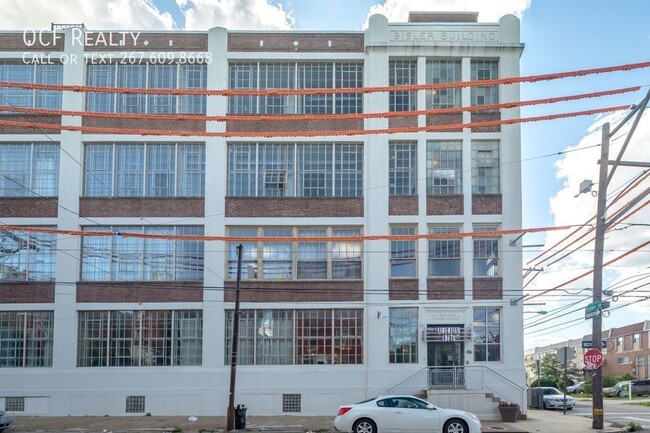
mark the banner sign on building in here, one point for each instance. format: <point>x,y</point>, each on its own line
<point>446,333</point>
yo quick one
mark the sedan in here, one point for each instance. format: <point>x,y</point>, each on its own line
<point>403,413</point>
<point>578,387</point>
<point>554,399</point>
<point>5,420</point>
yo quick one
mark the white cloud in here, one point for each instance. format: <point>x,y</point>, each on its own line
<point>234,15</point>
<point>94,14</point>
<point>397,10</point>
<point>568,209</point>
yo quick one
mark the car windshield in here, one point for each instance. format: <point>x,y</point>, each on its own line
<point>552,391</point>
<point>621,384</point>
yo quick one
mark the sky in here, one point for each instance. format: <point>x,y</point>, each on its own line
<point>557,155</point>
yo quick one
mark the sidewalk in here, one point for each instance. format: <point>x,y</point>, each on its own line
<point>538,421</point>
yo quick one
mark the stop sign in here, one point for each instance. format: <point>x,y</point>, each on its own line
<point>593,359</point>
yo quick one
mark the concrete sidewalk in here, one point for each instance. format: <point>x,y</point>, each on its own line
<point>538,421</point>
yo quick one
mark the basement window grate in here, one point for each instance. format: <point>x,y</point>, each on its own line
<point>15,404</point>
<point>291,402</point>
<point>135,404</point>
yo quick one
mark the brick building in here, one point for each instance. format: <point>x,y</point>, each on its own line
<point>106,323</point>
<point>628,351</point>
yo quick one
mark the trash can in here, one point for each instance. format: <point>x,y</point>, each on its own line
<point>240,417</point>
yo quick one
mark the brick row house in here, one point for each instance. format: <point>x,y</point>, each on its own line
<point>111,324</point>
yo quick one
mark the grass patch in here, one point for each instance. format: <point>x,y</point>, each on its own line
<point>640,403</point>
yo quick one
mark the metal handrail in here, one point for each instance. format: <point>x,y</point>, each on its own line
<point>407,379</point>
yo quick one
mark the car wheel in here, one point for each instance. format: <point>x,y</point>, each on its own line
<point>364,425</point>
<point>455,426</point>
<point>569,408</point>
<point>619,394</point>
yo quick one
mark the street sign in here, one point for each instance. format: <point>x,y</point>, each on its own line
<point>593,359</point>
<point>594,309</point>
<point>565,354</point>
<point>587,344</point>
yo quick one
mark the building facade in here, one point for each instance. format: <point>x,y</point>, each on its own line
<point>120,303</point>
<point>628,351</point>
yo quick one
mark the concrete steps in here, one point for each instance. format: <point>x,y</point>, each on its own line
<point>483,405</point>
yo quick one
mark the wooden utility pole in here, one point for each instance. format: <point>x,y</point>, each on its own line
<point>230,422</point>
<point>599,245</point>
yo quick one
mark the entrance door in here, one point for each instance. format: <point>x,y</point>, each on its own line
<point>445,354</point>
<point>445,360</point>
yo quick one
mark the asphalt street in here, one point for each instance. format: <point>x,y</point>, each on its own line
<point>618,411</point>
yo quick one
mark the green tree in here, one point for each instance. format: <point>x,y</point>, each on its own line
<point>554,371</point>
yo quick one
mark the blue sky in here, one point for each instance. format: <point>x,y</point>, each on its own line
<point>560,35</point>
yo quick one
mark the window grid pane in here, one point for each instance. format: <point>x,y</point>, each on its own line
<point>402,72</point>
<point>174,76</point>
<point>403,335</point>
<point>315,76</point>
<point>444,254</point>
<point>486,168</point>
<point>139,338</point>
<point>26,338</point>
<point>33,74</point>
<point>29,169</point>
<point>402,254</point>
<point>277,76</point>
<point>487,334</point>
<point>27,256</point>
<point>315,170</point>
<point>118,258</point>
<point>443,71</point>
<point>243,76</point>
<point>403,171</point>
<point>349,75</point>
<point>486,253</point>
<point>348,170</point>
<point>484,70</point>
<point>444,168</point>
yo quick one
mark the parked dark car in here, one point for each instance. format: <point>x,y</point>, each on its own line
<point>640,387</point>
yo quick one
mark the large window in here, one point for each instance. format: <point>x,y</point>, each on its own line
<point>402,253</point>
<point>33,74</point>
<point>443,71</point>
<point>403,335</point>
<point>286,337</point>
<point>145,170</point>
<point>444,167</point>
<point>26,256</point>
<point>486,167</point>
<point>487,334</point>
<point>295,170</point>
<point>119,258</point>
<point>403,168</point>
<point>486,253</point>
<point>29,170</point>
<point>139,338</point>
<point>444,254</point>
<point>26,338</point>
<point>146,76</point>
<point>296,260</point>
<point>481,70</point>
<point>402,73</point>
<point>289,75</point>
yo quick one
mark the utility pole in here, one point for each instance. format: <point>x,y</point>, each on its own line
<point>599,245</point>
<point>230,422</point>
<point>597,322</point>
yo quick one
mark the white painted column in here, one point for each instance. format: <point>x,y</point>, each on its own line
<point>68,255</point>
<point>215,191</point>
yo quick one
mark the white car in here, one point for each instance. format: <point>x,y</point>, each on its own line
<point>5,420</point>
<point>403,413</point>
<point>554,399</point>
